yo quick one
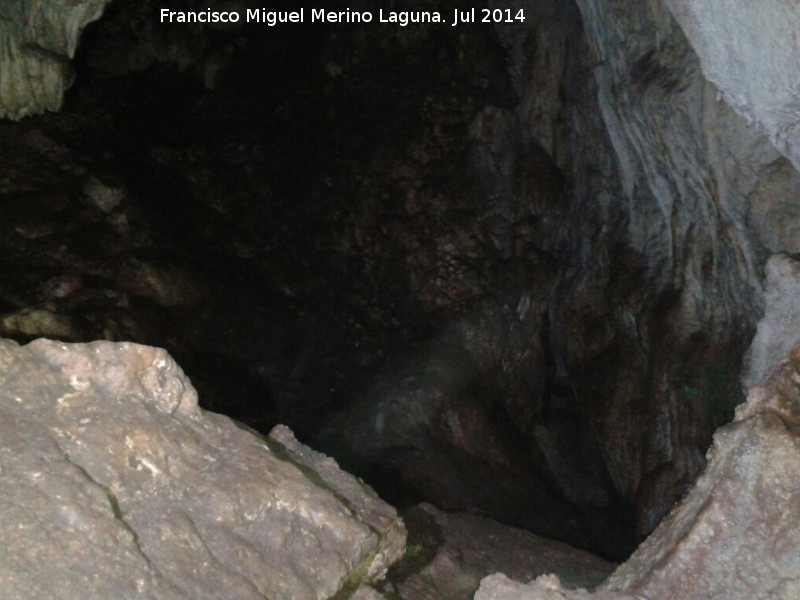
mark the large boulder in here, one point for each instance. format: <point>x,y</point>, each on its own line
<point>116,485</point>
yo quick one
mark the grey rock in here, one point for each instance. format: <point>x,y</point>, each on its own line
<point>546,587</point>
<point>779,330</point>
<point>367,593</point>
<point>116,485</point>
<point>736,535</point>
<point>362,500</point>
<point>706,199</point>
<point>616,242</point>
<point>754,71</point>
<point>473,547</point>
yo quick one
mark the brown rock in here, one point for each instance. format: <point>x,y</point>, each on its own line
<point>117,485</point>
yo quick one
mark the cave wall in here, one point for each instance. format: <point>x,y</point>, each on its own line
<point>37,40</point>
<point>512,267</point>
<point>704,198</point>
<point>638,209</point>
<point>749,51</point>
<point>481,218</point>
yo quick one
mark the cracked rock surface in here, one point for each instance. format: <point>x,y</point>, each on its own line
<point>116,485</point>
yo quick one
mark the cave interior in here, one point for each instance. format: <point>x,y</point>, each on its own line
<point>480,265</point>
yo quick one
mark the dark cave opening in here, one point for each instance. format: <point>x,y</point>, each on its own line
<point>377,237</point>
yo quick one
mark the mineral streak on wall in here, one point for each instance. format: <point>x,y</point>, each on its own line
<point>37,40</point>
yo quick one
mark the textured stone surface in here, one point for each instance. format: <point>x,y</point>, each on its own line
<point>473,547</point>
<point>367,593</point>
<point>751,52</point>
<point>705,200</point>
<point>546,587</point>
<point>37,40</point>
<point>779,329</point>
<point>737,533</point>
<point>116,485</point>
<point>567,199</point>
<point>362,500</point>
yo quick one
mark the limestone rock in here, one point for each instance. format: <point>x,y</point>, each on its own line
<point>116,485</point>
<point>707,199</point>
<point>37,40</point>
<point>751,52</point>
<point>779,329</point>
<point>473,547</point>
<point>546,587</point>
<point>592,223</point>
<point>737,533</point>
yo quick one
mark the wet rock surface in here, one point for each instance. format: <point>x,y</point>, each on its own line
<point>117,485</point>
